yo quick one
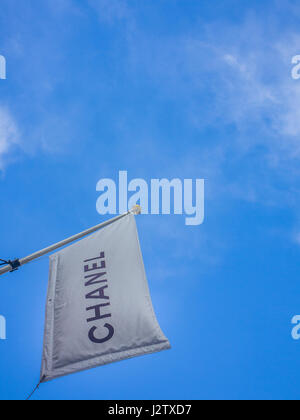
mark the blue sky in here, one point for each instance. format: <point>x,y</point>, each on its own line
<point>163,88</point>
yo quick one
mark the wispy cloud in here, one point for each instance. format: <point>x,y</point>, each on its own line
<point>244,70</point>
<point>231,76</point>
<point>39,68</point>
<point>9,136</point>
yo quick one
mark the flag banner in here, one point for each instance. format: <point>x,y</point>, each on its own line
<point>99,308</point>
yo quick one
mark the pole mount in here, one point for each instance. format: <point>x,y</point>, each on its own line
<point>15,264</point>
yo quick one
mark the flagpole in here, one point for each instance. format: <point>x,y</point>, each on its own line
<point>14,265</point>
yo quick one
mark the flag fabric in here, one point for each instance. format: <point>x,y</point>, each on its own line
<point>98,307</point>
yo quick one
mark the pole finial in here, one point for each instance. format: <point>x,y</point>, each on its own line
<point>136,210</point>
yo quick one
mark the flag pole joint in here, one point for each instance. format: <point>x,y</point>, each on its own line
<point>136,210</point>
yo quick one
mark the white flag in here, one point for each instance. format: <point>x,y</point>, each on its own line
<point>99,308</point>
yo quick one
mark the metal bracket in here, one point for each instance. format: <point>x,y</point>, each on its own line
<point>15,264</point>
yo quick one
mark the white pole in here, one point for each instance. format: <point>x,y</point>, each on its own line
<point>5,269</point>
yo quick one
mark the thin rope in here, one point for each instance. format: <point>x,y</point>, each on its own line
<point>35,389</point>
<point>4,262</point>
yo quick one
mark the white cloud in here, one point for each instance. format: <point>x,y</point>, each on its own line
<point>235,79</point>
<point>242,71</point>
<point>231,75</point>
<point>9,136</point>
<point>260,90</point>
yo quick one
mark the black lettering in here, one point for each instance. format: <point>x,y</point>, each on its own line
<point>93,279</point>
<point>98,294</point>
<point>98,315</point>
<point>94,267</point>
<point>102,256</point>
<point>96,340</point>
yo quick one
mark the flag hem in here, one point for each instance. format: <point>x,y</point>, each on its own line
<point>104,360</point>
